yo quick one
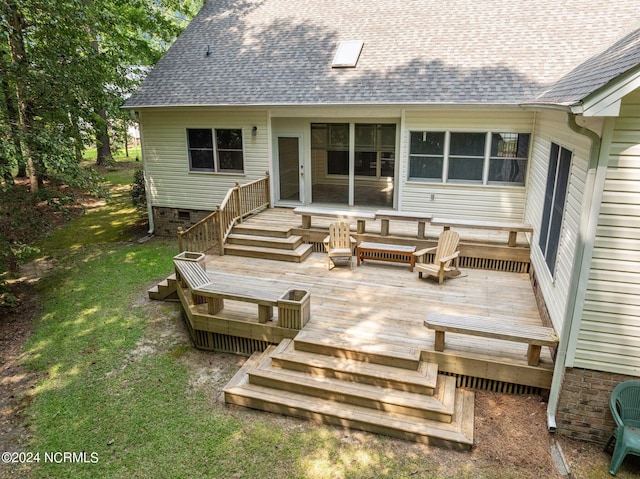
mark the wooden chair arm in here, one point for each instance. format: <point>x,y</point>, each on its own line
<point>450,257</point>
<point>422,252</point>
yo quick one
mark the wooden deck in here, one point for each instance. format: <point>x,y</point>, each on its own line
<point>386,303</point>
<point>365,359</point>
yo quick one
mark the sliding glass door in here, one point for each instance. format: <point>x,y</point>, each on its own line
<point>353,163</point>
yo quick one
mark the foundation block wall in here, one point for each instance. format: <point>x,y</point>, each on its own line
<point>583,409</point>
<point>166,221</point>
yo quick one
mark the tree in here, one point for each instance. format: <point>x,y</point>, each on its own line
<point>68,64</point>
<point>65,68</point>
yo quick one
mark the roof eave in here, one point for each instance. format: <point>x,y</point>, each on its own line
<point>326,105</point>
<point>606,101</point>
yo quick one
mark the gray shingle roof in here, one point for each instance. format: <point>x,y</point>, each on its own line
<point>279,52</point>
<point>596,72</point>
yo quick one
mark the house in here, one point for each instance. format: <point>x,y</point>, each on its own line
<point>512,111</point>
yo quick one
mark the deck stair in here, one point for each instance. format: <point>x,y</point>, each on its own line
<point>165,290</point>
<point>356,387</point>
<point>266,243</point>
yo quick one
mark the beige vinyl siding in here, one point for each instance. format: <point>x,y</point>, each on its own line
<point>164,147</point>
<point>462,201</point>
<point>551,127</point>
<point>609,336</point>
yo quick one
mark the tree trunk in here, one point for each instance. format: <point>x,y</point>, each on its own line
<point>103,142</point>
<point>101,126</point>
<point>76,135</point>
<point>12,119</point>
<point>126,141</point>
<point>25,117</point>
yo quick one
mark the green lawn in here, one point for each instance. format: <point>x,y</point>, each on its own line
<point>120,155</point>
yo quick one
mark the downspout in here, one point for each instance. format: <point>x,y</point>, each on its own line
<point>577,271</point>
<point>147,190</point>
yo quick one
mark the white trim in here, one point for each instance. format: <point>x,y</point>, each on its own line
<point>592,201</point>
<point>487,158</point>
<point>352,162</point>
<point>445,157</point>
<point>607,101</point>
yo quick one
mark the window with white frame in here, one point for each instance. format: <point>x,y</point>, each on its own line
<point>554,202</point>
<point>485,158</point>
<point>225,155</point>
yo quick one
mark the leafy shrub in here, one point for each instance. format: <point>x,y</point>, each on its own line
<point>138,191</point>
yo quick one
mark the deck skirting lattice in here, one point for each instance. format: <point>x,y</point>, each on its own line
<point>483,384</point>
<point>508,266</point>
<point>224,343</point>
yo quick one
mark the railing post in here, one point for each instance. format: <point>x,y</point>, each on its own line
<point>180,233</point>
<point>220,232</point>
<point>239,202</point>
<point>267,189</point>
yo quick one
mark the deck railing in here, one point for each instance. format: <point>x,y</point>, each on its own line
<point>240,202</point>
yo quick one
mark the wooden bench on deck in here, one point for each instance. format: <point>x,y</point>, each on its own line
<point>512,228</point>
<point>360,216</point>
<point>386,215</point>
<point>293,304</point>
<point>192,276</point>
<point>237,288</point>
<point>534,336</point>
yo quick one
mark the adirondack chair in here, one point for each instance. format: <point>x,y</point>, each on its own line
<point>445,254</point>
<point>339,243</point>
<point>625,408</point>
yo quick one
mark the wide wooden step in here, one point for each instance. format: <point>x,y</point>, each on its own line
<point>439,407</point>
<point>352,347</point>
<point>255,229</point>
<point>422,381</point>
<point>296,256</point>
<point>456,434</point>
<point>288,243</point>
<point>165,290</point>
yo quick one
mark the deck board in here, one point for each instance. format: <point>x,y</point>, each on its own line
<point>387,302</point>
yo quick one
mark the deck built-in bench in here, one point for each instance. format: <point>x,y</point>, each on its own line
<point>386,252</point>
<point>191,275</point>
<point>360,216</point>
<point>386,215</point>
<point>512,228</point>
<point>534,336</point>
<point>213,288</point>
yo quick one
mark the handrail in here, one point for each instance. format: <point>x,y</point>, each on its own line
<point>239,202</point>
<point>199,237</point>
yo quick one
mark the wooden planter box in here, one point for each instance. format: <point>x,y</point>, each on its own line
<point>195,257</point>
<point>294,309</point>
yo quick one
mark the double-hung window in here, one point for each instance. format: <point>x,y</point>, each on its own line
<point>483,158</point>
<point>215,150</point>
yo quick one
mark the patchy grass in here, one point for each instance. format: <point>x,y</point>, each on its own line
<point>105,222</point>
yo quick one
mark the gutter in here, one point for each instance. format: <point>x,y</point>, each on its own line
<point>577,271</point>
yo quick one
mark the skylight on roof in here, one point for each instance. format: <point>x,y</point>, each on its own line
<point>347,54</point>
